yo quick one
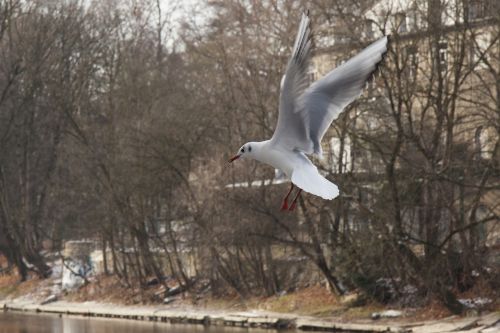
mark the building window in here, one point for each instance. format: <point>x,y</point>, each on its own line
<point>369,29</point>
<point>479,50</point>
<point>483,144</point>
<point>479,145</point>
<point>412,20</point>
<point>399,23</point>
<point>443,56</point>
<point>370,88</point>
<point>336,148</point>
<point>402,28</point>
<point>339,62</point>
<point>479,9</point>
<point>411,61</point>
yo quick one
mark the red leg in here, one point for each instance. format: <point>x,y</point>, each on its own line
<point>285,200</point>
<point>294,202</point>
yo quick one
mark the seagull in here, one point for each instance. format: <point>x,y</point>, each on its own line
<point>305,113</point>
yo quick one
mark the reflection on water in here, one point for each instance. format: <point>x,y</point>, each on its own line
<point>13,322</point>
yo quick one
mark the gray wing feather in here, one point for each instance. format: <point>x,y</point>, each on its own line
<point>324,100</point>
<point>306,113</point>
<point>291,131</point>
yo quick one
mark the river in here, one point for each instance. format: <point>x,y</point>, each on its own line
<point>15,322</point>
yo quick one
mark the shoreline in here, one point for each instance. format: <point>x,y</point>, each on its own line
<point>251,319</point>
<point>242,319</point>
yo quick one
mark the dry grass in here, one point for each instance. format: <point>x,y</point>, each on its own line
<point>315,300</point>
<point>8,285</point>
<point>11,287</point>
<point>433,310</point>
<point>107,289</point>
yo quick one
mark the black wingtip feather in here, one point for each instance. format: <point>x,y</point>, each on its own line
<point>303,44</point>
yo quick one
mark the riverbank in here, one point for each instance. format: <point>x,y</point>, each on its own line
<point>311,308</point>
<point>487,323</point>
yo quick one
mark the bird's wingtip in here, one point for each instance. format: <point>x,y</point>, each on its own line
<point>333,193</point>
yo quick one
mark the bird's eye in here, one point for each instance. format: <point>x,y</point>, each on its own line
<point>250,149</point>
<point>242,150</point>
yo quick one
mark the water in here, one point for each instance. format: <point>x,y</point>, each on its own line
<point>15,322</point>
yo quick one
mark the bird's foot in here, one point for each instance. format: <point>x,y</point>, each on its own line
<point>285,200</point>
<point>294,202</point>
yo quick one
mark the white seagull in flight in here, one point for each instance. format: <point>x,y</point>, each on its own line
<point>305,113</point>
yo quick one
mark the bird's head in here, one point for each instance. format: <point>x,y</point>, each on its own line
<point>248,150</point>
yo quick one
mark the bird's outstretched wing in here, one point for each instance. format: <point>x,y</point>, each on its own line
<point>306,113</point>
<point>326,98</point>
<point>291,131</point>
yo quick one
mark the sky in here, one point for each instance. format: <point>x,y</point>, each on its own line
<point>191,11</point>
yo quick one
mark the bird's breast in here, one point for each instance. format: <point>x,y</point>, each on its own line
<point>282,160</point>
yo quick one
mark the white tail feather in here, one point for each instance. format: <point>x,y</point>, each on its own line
<point>308,179</point>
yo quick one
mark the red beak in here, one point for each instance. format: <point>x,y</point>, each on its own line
<point>234,158</point>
